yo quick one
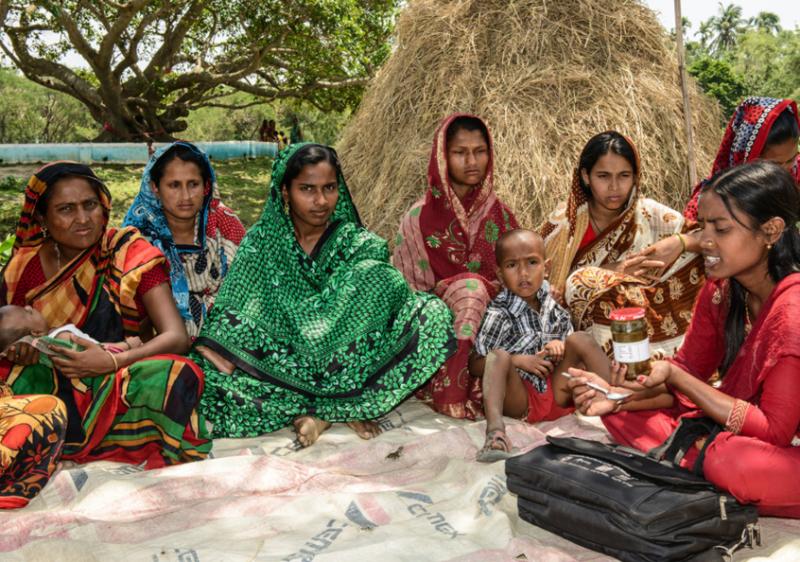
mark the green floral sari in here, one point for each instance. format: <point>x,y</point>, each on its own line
<point>337,334</point>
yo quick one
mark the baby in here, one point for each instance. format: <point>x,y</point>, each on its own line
<point>18,322</point>
<point>525,333</point>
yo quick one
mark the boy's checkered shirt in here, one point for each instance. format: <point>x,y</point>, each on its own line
<point>510,324</point>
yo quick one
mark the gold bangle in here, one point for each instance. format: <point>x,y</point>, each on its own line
<point>683,242</point>
<point>114,359</point>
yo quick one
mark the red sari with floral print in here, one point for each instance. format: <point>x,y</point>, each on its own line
<point>446,245</point>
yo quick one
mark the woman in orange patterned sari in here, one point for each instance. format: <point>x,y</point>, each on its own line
<point>126,401</point>
<point>446,246</point>
<point>612,248</point>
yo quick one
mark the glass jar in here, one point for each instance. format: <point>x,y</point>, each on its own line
<point>631,344</point>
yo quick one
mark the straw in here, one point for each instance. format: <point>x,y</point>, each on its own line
<point>546,76</point>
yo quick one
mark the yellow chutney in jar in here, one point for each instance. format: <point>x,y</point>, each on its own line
<point>631,344</point>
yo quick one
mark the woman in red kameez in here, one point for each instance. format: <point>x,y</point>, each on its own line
<point>446,245</point>
<point>744,328</point>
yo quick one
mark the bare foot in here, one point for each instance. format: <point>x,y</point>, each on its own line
<point>366,429</point>
<point>496,447</point>
<point>222,364</point>
<point>309,429</point>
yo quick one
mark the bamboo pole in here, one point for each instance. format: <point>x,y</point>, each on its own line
<point>687,108</point>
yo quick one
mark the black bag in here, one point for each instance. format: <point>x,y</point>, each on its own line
<point>627,504</point>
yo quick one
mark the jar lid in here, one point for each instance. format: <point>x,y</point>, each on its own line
<point>624,314</point>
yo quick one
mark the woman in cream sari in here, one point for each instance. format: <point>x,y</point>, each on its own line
<point>613,248</point>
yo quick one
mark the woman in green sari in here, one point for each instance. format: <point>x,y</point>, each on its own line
<point>313,325</point>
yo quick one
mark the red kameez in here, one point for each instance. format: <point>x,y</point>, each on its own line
<point>757,458</point>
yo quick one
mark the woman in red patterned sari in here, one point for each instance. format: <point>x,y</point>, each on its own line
<point>446,245</point>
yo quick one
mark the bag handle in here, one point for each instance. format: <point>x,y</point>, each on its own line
<point>689,430</point>
<point>632,460</point>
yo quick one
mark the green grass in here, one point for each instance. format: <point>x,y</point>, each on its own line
<point>243,185</point>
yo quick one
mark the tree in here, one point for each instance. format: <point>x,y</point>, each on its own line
<point>32,113</point>
<point>766,22</point>
<point>726,26</point>
<point>706,32</point>
<point>150,62</point>
<point>717,79</point>
<point>770,63</point>
<point>686,25</point>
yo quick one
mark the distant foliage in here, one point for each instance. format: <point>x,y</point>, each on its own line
<point>213,123</point>
<point>5,249</point>
<point>150,63</point>
<point>717,78</point>
<point>32,113</point>
<point>770,63</point>
<point>733,58</point>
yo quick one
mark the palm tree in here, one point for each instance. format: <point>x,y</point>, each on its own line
<point>685,26</point>
<point>705,31</point>
<point>727,26</point>
<point>767,22</point>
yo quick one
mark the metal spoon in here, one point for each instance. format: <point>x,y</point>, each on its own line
<point>610,395</point>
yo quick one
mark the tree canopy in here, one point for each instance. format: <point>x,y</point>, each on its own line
<point>736,57</point>
<point>148,63</point>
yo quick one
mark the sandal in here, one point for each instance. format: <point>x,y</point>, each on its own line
<point>490,453</point>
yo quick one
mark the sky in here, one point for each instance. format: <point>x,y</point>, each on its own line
<point>700,10</point>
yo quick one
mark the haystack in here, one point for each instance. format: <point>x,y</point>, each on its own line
<point>546,75</point>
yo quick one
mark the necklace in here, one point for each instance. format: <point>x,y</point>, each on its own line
<point>748,324</point>
<point>593,223</point>
<point>58,255</point>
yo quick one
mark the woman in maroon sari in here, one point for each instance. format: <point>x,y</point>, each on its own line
<point>446,245</point>
<point>744,328</point>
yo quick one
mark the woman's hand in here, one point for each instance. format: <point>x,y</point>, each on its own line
<point>589,401</point>
<point>91,362</point>
<point>667,250</point>
<point>618,372</point>
<point>660,373</point>
<point>641,264</point>
<point>22,354</point>
<point>222,364</point>
<point>558,295</point>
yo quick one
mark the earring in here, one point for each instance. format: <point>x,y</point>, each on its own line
<point>769,247</point>
<point>286,206</point>
<point>45,233</point>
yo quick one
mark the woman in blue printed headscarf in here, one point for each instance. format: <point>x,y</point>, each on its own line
<point>179,210</point>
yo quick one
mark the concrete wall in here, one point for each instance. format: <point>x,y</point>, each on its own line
<point>125,152</point>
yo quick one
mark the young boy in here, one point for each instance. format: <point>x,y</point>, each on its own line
<point>525,333</point>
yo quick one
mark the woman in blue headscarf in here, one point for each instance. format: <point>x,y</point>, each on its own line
<point>179,210</point>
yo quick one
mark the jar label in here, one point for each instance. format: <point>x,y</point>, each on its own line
<point>632,352</point>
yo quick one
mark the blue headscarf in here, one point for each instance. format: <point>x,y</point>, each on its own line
<point>147,214</point>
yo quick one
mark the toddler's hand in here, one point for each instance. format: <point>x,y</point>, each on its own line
<point>557,295</point>
<point>537,364</point>
<point>555,350</point>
